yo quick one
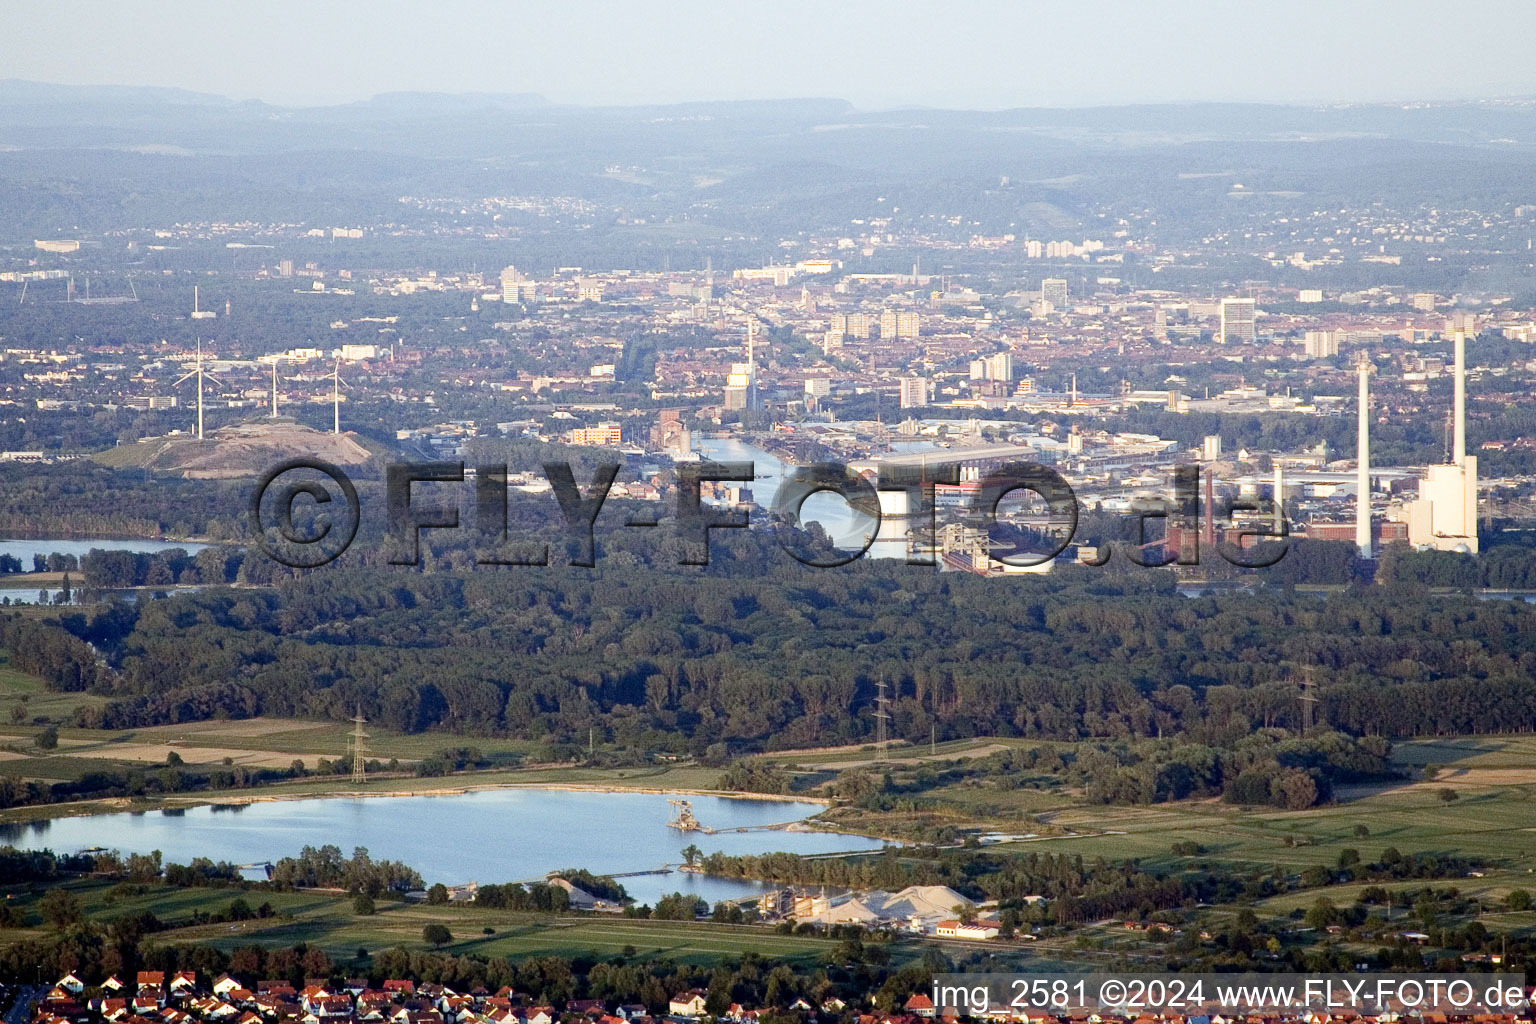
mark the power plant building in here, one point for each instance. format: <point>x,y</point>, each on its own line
<point>1445,515</point>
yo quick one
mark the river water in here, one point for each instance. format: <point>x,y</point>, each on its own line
<point>842,524</point>
<point>502,835</point>
<point>24,549</point>
<point>14,588</point>
<point>847,528</point>
<point>487,836</point>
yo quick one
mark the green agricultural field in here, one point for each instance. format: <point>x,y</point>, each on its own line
<point>1464,752</point>
<point>327,920</point>
<point>1492,814</point>
<point>334,927</point>
<point>1491,889</point>
<point>904,754</point>
<point>20,690</point>
<point>611,778</point>
<point>298,738</point>
<point>1490,822</point>
<point>694,943</point>
<point>107,900</point>
<point>55,767</point>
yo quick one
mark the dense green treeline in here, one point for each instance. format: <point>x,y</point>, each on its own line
<point>1066,889</point>
<point>360,874</point>
<point>1498,568</point>
<point>754,654</point>
<point>1269,767</point>
<point>84,499</point>
<point>65,662</point>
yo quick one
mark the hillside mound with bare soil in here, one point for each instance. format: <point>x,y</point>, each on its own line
<point>241,450</point>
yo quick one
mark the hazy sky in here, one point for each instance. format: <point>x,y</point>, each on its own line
<point>963,53</point>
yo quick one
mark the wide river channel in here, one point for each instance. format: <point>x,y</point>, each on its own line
<point>498,835</point>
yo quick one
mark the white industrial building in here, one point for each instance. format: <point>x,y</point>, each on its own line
<point>919,908</point>
<point>1445,515</point>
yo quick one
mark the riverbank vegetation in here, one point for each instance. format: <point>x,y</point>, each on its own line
<point>716,665</point>
<point>1187,910</point>
<point>1193,876</point>
<point>103,926</point>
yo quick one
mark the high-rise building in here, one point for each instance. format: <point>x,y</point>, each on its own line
<point>1322,344</point>
<point>516,286</point>
<point>899,324</point>
<point>852,325</point>
<point>1237,321</point>
<point>818,387</point>
<point>1309,295</point>
<point>1462,320</point>
<point>1424,302</point>
<point>914,392</point>
<point>1054,291</point>
<point>993,367</point>
<point>510,277</point>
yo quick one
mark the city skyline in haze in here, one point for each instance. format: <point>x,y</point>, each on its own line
<point>976,55</point>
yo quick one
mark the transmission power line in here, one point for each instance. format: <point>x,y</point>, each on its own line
<point>1308,701</point>
<point>882,718</point>
<point>359,768</point>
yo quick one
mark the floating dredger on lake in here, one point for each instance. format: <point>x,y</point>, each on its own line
<point>682,817</point>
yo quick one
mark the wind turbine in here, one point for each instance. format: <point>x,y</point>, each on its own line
<point>199,374</point>
<point>336,386</point>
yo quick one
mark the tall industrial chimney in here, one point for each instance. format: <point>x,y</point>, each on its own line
<point>1210,510</point>
<point>1363,462</point>
<point>1459,452</point>
<point>1279,497</point>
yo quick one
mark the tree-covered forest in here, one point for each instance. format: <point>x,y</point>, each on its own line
<point>1270,767</point>
<point>756,652</point>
